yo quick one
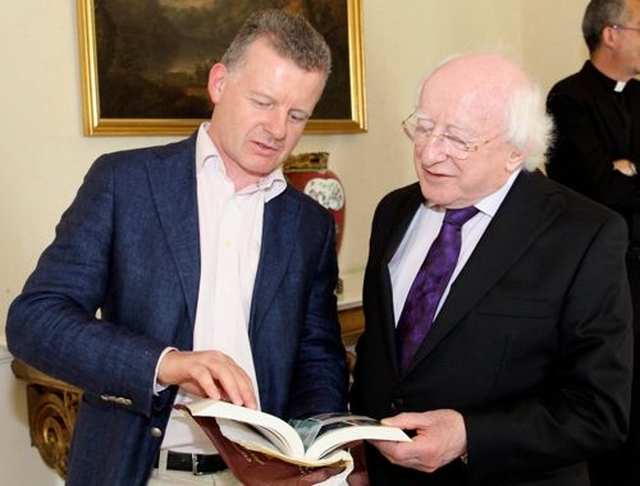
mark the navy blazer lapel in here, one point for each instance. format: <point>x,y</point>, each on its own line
<point>280,225</point>
<point>173,185</point>
<point>529,208</point>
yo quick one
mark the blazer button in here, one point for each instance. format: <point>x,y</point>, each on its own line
<point>397,404</point>
<point>156,431</point>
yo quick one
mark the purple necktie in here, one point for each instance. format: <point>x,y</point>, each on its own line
<point>429,285</point>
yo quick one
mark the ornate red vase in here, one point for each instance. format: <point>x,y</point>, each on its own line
<point>309,173</point>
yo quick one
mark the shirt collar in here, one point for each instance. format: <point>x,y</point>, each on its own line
<point>606,81</point>
<point>489,204</point>
<point>272,185</point>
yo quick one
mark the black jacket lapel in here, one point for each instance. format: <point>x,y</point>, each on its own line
<point>527,210</point>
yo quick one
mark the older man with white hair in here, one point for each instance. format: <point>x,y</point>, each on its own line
<point>507,350</point>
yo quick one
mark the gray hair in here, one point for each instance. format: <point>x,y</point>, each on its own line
<point>292,37</point>
<point>598,15</point>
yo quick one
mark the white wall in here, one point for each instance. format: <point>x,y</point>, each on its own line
<point>553,46</point>
<point>43,154</point>
<point>20,464</point>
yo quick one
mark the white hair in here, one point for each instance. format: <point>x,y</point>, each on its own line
<point>529,127</point>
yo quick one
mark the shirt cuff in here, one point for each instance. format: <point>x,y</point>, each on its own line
<point>157,387</point>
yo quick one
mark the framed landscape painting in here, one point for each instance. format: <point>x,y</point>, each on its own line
<point>145,63</point>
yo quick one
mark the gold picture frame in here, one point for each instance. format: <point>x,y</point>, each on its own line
<point>348,94</point>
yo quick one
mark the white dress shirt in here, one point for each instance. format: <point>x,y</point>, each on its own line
<point>230,227</point>
<point>420,235</point>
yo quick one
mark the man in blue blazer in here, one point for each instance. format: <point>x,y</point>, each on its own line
<point>194,269</point>
<point>525,372</point>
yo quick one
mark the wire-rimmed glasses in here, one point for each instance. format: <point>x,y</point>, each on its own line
<point>624,27</point>
<point>420,133</point>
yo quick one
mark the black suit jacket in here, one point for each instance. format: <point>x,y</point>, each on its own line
<point>533,344</point>
<point>595,126</point>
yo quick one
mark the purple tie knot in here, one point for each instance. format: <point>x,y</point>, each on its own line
<point>458,217</point>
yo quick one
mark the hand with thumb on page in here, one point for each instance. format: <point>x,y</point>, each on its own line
<point>440,439</point>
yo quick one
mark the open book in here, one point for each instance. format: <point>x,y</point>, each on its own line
<point>309,442</point>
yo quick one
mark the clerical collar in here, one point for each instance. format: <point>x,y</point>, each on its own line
<point>619,86</point>
<point>612,84</point>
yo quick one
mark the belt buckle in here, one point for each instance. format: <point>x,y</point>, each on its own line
<point>194,465</point>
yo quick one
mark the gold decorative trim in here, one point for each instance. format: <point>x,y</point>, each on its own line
<point>95,124</point>
<point>53,406</point>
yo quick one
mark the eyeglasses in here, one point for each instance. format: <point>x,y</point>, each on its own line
<point>624,27</point>
<point>455,146</point>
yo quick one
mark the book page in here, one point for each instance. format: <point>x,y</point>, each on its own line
<point>283,437</point>
<point>260,431</point>
<point>249,438</point>
<point>340,429</point>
